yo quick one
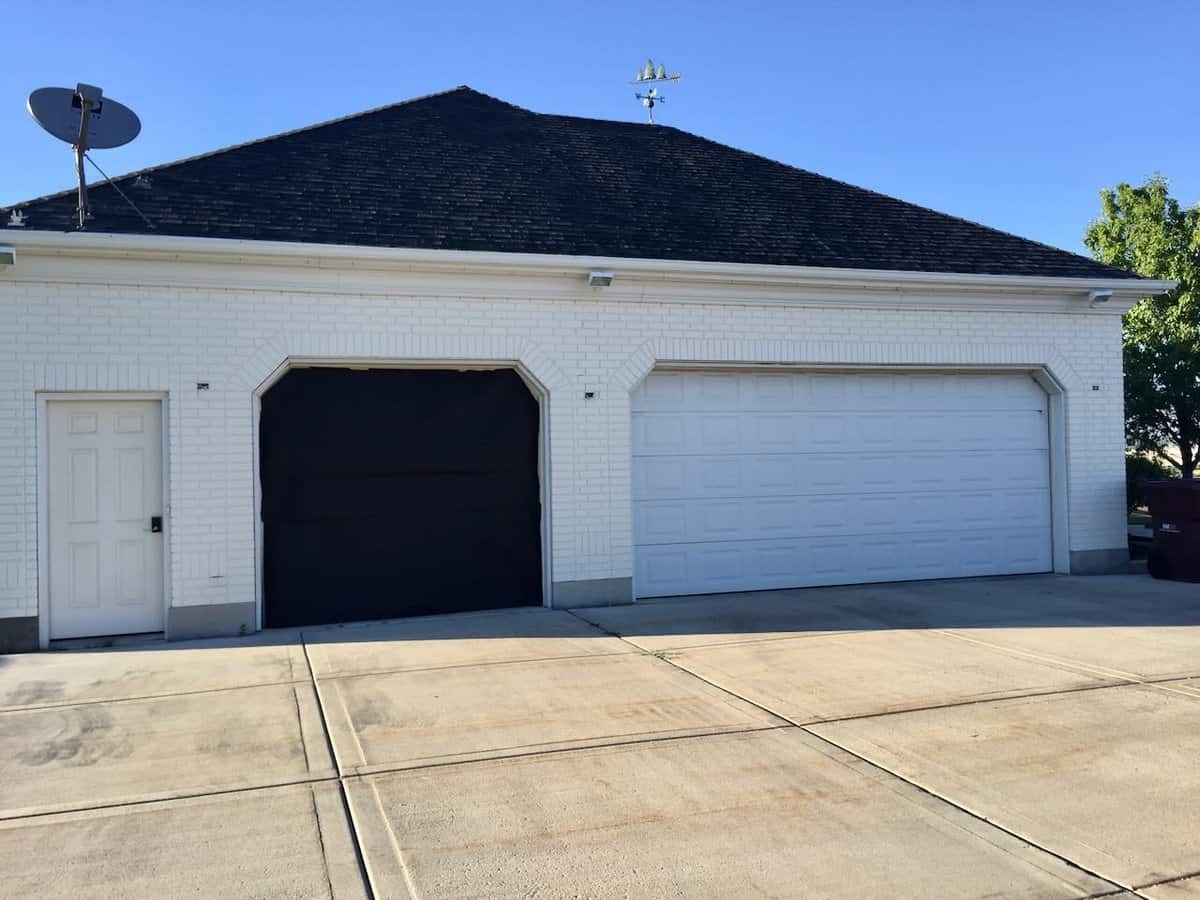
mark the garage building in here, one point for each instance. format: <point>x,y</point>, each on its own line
<point>452,354</point>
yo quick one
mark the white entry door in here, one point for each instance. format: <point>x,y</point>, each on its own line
<point>758,480</point>
<point>105,517</point>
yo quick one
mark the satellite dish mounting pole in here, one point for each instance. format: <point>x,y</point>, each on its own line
<point>85,110</point>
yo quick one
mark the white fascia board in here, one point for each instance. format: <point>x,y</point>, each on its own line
<point>647,279</point>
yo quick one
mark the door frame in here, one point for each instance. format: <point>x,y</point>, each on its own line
<point>42,398</point>
<point>540,393</point>
<point>1056,424</point>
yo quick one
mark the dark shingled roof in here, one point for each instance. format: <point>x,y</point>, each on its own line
<point>464,171</point>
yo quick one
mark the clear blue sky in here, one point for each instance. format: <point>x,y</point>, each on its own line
<point>1010,113</point>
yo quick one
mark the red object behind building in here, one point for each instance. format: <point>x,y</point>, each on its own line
<point>1175,509</point>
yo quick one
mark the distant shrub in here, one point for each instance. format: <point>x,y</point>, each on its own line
<point>1138,469</point>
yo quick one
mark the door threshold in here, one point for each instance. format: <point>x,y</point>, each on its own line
<point>107,641</point>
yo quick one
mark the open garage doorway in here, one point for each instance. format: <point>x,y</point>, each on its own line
<point>398,492</point>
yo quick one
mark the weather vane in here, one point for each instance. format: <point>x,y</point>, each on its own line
<point>651,76</point>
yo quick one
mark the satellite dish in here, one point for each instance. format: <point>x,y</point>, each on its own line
<point>86,120</point>
<point>59,110</point>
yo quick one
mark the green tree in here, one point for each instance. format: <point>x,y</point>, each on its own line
<point>1143,229</point>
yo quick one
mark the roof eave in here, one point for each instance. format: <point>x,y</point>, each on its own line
<point>160,248</point>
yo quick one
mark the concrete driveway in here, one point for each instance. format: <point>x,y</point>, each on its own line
<point>1032,737</point>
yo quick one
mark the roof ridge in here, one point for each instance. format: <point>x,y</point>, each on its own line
<point>270,137</point>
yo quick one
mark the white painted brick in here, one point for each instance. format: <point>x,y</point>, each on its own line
<point>68,337</point>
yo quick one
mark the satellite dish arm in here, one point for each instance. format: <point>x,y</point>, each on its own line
<point>85,108</point>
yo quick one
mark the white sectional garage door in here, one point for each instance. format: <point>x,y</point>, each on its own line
<point>758,480</point>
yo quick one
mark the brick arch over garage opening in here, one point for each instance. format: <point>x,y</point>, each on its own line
<point>392,492</point>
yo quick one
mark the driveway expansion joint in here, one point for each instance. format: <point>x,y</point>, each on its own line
<point>1118,888</point>
<point>355,839</point>
<point>401,670</point>
<point>67,704</point>
<point>167,797</point>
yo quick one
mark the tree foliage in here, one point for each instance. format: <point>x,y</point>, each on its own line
<point>1143,229</point>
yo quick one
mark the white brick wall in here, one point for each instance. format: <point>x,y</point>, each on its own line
<point>96,337</point>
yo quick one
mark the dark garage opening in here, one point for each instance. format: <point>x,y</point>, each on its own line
<point>398,492</point>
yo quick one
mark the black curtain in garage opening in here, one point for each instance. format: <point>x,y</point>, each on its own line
<point>393,492</point>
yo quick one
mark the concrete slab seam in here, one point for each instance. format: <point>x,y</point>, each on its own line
<point>470,665</point>
<point>167,797</point>
<point>1086,668</point>
<point>1069,862</point>
<point>366,771</point>
<point>979,816</point>
<point>742,642</point>
<point>955,704</point>
<point>354,835</point>
<point>1172,880</point>
<point>300,731</point>
<point>171,796</point>
<point>312,797</point>
<point>217,690</point>
<point>405,871</point>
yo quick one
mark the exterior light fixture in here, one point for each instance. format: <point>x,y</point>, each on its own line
<point>600,279</point>
<point>1098,298</point>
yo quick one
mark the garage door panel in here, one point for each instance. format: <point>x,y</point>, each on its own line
<point>825,392</point>
<point>827,432</point>
<point>930,391</point>
<point>853,559</point>
<point>823,472</point>
<point>785,479</point>
<point>770,392</point>
<point>662,571</point>
<point>813,515</point>
<point>773,517</point>
<point>1029,468</point>
<point>1028,549</point>
<point>929,511</point>
<point>776,474</point>
<point>665,391</point>
<point>723,567</point>
<point>776,562</point>
<point>663,477</point>
<point>878,513</point>
<point>718,433</point>
<point>822,514</point>
<point>872,431</point>
<point>659,433</point>
<point>708,391</point>
<point>876,472</point>
<point>718,475</point>
<point>669,434</point>
<point>978,553</point>
<point>1028,508</point>
<point>661,522</point>
<point>880,558</point>
<point>775,433</point>
<point>975,509</point>
<point>931,555</point>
